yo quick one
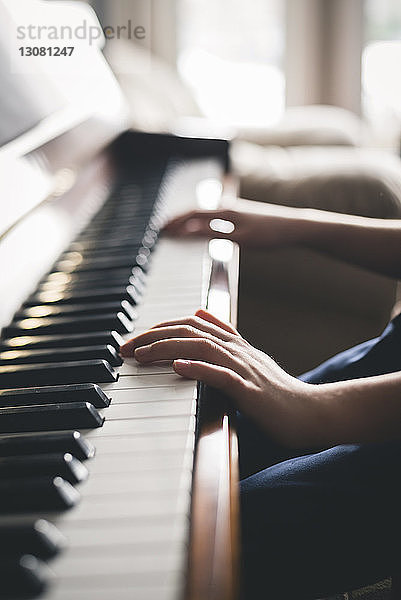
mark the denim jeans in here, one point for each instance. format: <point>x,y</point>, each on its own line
<point>322,521</point>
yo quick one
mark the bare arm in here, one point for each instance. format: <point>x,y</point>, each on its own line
<point>294,413</point>
<point>362,410</point>
<point>371,243</point>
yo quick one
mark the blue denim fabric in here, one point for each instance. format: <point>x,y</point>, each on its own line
<point>318,522</point>
<point>374,357</point>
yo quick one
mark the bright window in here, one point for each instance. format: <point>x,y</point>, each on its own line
<point>381,66</point>
<point>231,54</point>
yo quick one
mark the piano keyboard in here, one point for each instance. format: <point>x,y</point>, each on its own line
<point>126,516</point>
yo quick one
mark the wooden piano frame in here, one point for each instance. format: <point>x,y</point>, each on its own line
<point>214,541</point>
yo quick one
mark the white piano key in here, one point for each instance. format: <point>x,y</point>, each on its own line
<point>153,316</point>
<point>143,528</point>
<point>142,426</point>
<point>100,512</point>
<point>128,462</point>
<point>159,310</point>
<point>170,408</point>
<point>168,275</point>
<point>154,394</point>
<point>145,444</point>
<point>131,367</point>
<point>168,300</point>
<point>100,507</point>
<point>127,534</point>
<point>127,546</point>
<point>118,592</point>
<point>162,286</point>
<point>74,567</point>
<point>138,483</point>
<point>170,295</point>
<point>137,582</point>
<point>132,382</point>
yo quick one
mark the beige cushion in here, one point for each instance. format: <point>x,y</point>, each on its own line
<point>352,180</point>
<point>311,125</point>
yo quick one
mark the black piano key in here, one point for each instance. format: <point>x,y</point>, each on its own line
<point>32,494</point>
<point>39,538</point>
<point>115,294</point>
<point>111,252</point>
<point>65,310</point>
<point>77,415</point>
<point>121,215</point>
<point>19,376</point>
<point>93,264</point>
<point>99,250</point>
<point>149,239</point>
<point>102,264</point>
<point>87,286</point>
<point>95,338</point>
<point>88,278</point>
<point>53,325</point>
<point>38,465</point>
<point>108,353</point>
<point>129,235</point>
<point>116,230</point>
<point>142,261</point>
<point>110,240</point>
<point>82,392</point>
<point>24,444</point>
<point>23,577</point>
<point>93,245</point>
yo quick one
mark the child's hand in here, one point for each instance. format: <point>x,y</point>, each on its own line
<point>249,224</point>
<point>205,349</point>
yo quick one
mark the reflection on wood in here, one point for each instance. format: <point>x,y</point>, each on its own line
<point>214,547</point>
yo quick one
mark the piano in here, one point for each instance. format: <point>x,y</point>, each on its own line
<point>116,480</point>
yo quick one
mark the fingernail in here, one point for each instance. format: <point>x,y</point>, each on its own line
<point>180,363</point>
<point>192,226</point>
<point>140,351</point>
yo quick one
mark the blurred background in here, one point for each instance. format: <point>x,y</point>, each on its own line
<point>245,62</point>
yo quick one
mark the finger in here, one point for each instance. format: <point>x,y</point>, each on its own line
<point>191,227</point>
<point>215,229</point>
<point>199,324</point>
<point>201,215</point>
<point>158,333</point>
<point>207,316</point>
<point>212,224</point>
<point>179,220</point>
<point>192,348</point>
<point>216,376</point>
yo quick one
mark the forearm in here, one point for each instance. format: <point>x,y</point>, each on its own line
<point>359,410</point>
<point>371,243</point>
